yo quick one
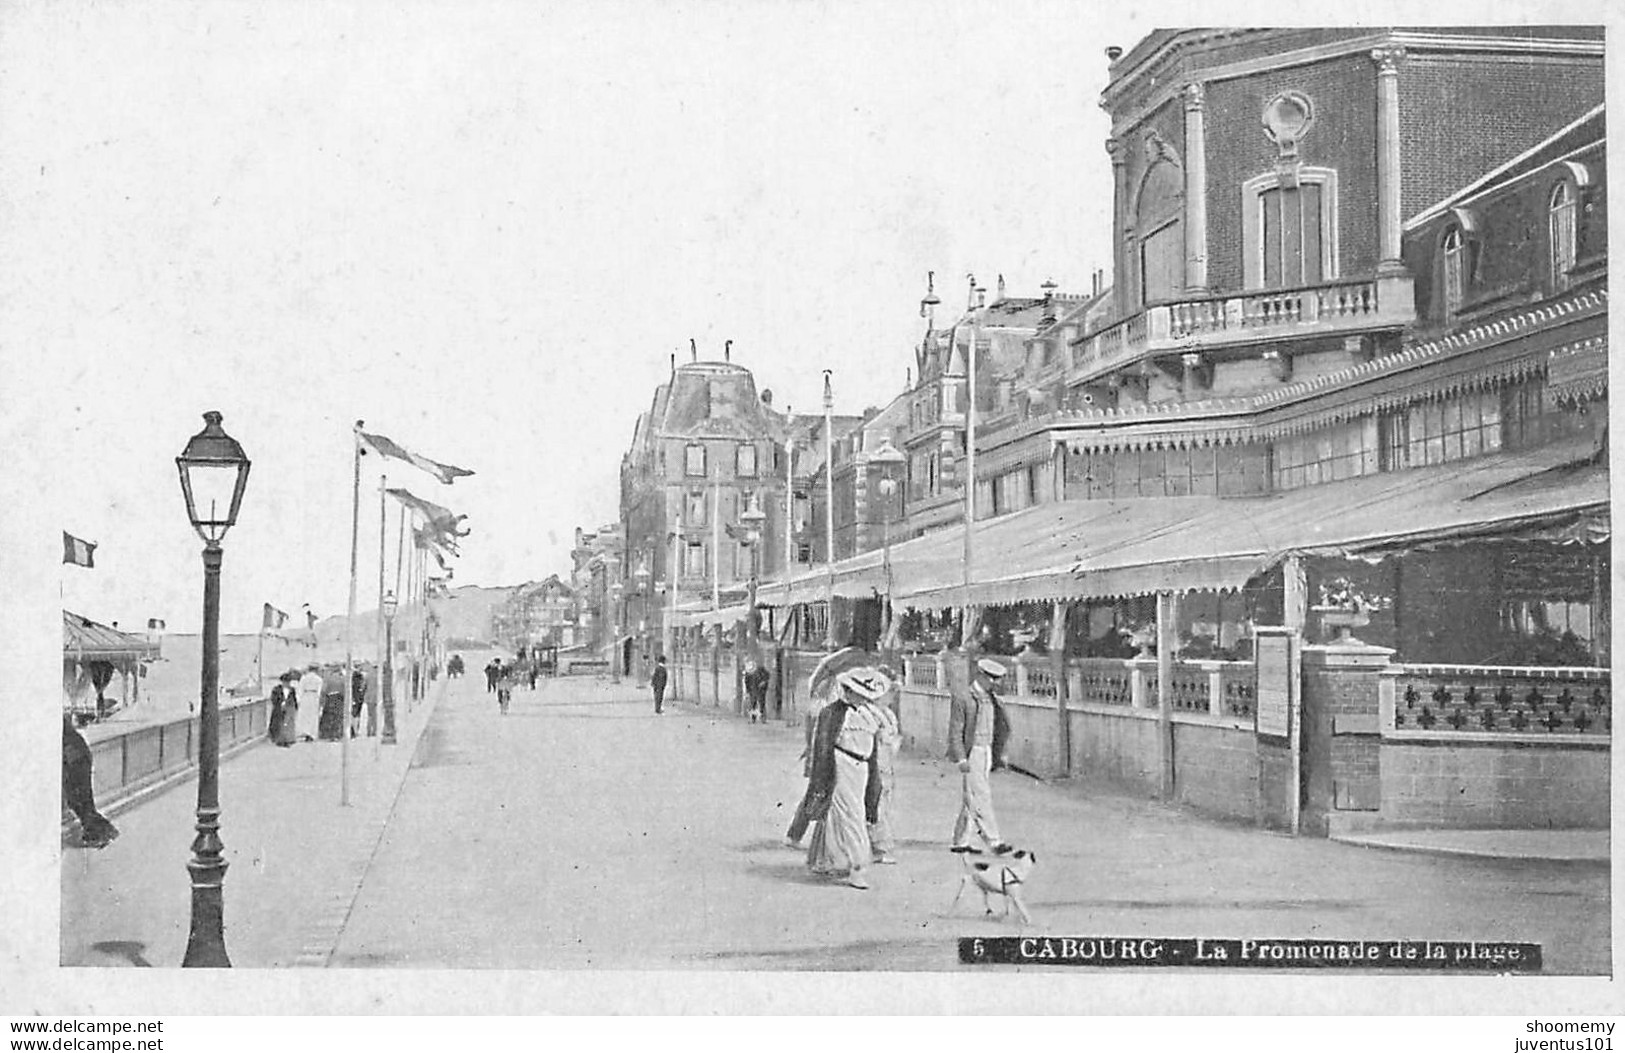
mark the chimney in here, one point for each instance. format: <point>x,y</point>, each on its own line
<point>970,302</point>
<point>1049,302</point>
<point>693,350</point>
<point>1114,53</point>
<point>981,296</point>
<point>674,362</point>
<point>1001,289</point>
<point>727,350</point>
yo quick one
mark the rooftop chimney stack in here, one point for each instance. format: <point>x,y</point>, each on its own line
<point>970,300</point>
<point>1000,297</point>
<point>693,350</point>
<point>727,350</point>
<point>1114,53</point>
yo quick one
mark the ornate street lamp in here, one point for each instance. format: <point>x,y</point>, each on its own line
<point>214,472</point>
<point>390,605</point>
<point>888,458</point>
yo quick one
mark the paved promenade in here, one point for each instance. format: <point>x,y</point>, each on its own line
<point>583,831</point>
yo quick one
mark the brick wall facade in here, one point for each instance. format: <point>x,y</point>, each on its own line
<point>1462,115</point>
<point>1343,137</point>
<point>1340,724</point>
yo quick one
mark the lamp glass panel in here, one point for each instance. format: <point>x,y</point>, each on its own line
<point>212,488</point>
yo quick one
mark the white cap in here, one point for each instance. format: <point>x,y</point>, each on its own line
<point>990,667</point>
<point>866,682</point>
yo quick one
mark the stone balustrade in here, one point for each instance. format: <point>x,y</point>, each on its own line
<point>1343,306</point>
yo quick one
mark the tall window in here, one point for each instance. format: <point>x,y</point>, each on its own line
<point>1454,271</point>
<point>694,460</point>
<point>1158,217</point>
<point>1289,229</point>
<point>694,559</point>
<point>745,460</point>
<point>1561,219</point>
<point>695,513</point>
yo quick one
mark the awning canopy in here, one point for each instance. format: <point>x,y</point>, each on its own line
<point>1097,549</point>
<point>85,639</point>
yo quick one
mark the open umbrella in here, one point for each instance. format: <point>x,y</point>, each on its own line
<point>833,665</point>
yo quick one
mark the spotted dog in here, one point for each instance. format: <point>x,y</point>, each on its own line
<point>1002,874</point>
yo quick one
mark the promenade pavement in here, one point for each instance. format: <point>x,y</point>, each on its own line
<point>583,831</point>
<point>295,854</point>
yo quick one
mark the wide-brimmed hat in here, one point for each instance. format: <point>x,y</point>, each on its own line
<point>991,668</point>
<point>866,682</point>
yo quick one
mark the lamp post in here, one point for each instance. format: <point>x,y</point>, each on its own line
<point>641,577</point>
<point>615,641</point>
<point>753,519</point>
<point>390,605</point>
<point>888,457</point>
<point>214,472</point>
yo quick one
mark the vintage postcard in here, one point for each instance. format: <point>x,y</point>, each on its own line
<point>646,508</point>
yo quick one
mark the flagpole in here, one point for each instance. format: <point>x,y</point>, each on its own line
<point>716,541</point>
<point>829,515</point>
<point>386,733</point>
<point>349,623</point>
<point>405,601</point>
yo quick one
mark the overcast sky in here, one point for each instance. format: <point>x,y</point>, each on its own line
<point>484,228</point>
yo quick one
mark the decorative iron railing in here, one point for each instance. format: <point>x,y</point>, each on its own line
<point>1500,700</point>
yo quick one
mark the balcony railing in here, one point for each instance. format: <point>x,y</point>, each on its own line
<point>1344,306</point>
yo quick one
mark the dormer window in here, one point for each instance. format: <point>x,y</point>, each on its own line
<point>1454,277</point>
<point>1561,223</point>
<point>694,460</point>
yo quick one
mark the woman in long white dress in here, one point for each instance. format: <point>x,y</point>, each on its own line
<point>843,753</point>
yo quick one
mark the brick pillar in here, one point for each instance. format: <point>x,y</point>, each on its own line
<point>1341,734</point>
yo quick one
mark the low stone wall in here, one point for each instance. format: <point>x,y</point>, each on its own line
<point>1495,784</point>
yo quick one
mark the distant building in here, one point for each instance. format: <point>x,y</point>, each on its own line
<point>539,612</point>
<point>710,449</point>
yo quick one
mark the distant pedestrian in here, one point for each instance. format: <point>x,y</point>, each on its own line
<point>530,673</point>
<point>287,732</point>
<point>843,760</point>
<point>273,724</point>
<point>756,680</point>
<point>977,732</point>
<point>657,680</point>
<point>95,830</point>
<point>358,695</point>
<point>504,695</point>
<point>493,670</point>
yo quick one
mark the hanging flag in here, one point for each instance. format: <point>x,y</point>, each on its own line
<point>443,520</point>
<point>387,447</point>
<point>77,551</point>
<point>274,618</point>
<point>155,625</point>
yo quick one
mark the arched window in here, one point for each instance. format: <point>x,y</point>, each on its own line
<point>1561,220</point>
<point>1454,270</point>
<point>1159,231</point>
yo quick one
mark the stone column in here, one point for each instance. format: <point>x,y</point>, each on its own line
<point>1195,188</point>
<point>1121,294</point>
<point>1388,160</point>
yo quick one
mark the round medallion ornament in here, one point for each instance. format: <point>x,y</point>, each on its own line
<point>1287,119</point>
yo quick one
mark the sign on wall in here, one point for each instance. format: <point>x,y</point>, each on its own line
<point>1277,681</point>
